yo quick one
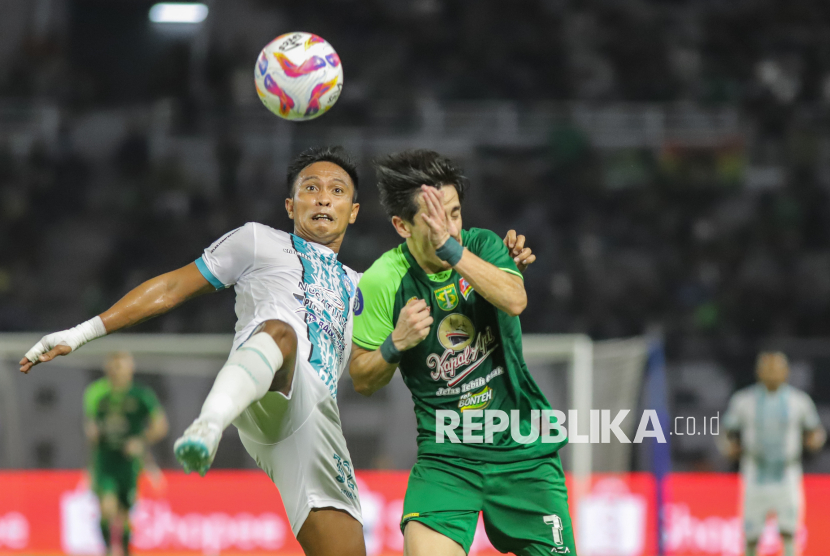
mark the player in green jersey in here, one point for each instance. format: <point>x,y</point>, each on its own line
<point>122,420</point>
<point>443,307</point>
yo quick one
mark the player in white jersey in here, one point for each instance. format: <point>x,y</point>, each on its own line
<point>767,424</point>
<point>294,305</point>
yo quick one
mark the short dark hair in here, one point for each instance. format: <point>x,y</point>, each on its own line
<point>335,155</point>
<point>400,176</point>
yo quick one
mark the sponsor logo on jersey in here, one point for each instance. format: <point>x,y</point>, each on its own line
<point>345,476</point>
<point>456,332</point>
<point>462,355</point>
<point>447,297</point>
<point>472,385</point>
<point>447,391</point>
<point>465,288</point>
<point>358,302</point>
<point>476,400</point>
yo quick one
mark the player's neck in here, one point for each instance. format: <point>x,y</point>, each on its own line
<point>334,244</point>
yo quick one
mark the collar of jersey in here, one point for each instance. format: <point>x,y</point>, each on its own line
<point>316,246</point>
<point>416,269</point>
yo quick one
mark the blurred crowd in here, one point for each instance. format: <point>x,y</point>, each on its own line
<point>727,241</point>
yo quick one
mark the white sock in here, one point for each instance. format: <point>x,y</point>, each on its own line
<point>789,545</point>
<point>244,379</point>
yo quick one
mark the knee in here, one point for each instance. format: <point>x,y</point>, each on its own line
<point>109,507</point>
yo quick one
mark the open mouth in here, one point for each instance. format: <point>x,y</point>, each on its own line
<point>322,217</point>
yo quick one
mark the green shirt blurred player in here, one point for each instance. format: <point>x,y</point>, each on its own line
<point>122,420</point>
<point>443,308</point>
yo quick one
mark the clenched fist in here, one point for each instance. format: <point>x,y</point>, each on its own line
<point>413,325</point>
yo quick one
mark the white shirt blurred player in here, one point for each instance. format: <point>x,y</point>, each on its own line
<point>767,424</point>
<point>294,306</point>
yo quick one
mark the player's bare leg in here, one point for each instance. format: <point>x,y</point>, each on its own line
<point>420,540</point>
<point>331,532</point>
<point>123,530</point>
<point>263,363</point>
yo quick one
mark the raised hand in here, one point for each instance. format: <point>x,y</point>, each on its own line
<point>413,325</point>
<point>522,256</point>
<point>440,224</point>
<point>49,347</point>
<point>62,343</point>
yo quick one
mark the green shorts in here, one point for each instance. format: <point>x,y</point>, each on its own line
<point>120,478</point>
<point>524,504</point>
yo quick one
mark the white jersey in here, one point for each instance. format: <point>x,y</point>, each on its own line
<point>277,275</point>
<point>771,425</point>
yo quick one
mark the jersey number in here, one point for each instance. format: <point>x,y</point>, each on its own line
<point>556,522</point>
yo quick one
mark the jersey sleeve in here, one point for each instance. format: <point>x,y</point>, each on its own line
<point>149,400</point>
<point>732,421</point>
<point>373,319</point>
<point>92,395</point>
<point>810,419</point>
<point>489,246</point>
<point>229,257</point>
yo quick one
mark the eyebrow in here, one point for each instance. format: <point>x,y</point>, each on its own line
<point>303,180</point>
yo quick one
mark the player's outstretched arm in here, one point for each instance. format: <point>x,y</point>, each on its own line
<point>371,370</point>
<point>152,298</point>
<point>504,290</point>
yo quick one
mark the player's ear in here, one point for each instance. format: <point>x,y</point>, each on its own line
<point>289,208</point>
<point>353,215</point>
<point>402,227</point>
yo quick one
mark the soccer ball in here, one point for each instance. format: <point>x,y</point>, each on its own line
<point>298,76</point>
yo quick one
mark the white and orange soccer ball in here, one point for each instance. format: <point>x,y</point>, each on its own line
<point>298,76</point>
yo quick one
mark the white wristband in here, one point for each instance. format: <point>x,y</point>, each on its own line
<point>73,337</point>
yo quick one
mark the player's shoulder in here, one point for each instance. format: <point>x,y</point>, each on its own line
<point>745,394</point>
<point>389,268</point>
<point>798,394</point>
<point>480,236</point>
<point>264,232</point>
<point>144,393</point>
<point>97,388</point>
<point>93,394</point>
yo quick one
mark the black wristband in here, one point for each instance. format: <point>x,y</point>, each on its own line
<point>451,251</point>
<point>389,352</point>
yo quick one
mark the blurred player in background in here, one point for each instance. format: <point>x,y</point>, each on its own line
<point>122,420</point>
<point>443,307</point>
<point>766,425</point>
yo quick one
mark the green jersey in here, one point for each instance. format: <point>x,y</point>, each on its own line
<point>118,415</point>
<point>472,357</point>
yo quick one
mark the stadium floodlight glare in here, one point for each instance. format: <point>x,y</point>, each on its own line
<point>178,12</point>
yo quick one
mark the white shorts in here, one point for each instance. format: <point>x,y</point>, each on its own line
<point>783,499</point>
<point>312,467</point>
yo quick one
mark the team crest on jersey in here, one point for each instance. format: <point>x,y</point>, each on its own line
<point>465,288</point>
<point>349,284</point>
<point>447,297</point>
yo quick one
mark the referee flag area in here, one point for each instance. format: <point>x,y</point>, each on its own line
<point>240,512</point>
